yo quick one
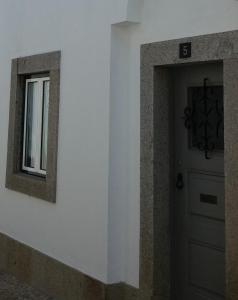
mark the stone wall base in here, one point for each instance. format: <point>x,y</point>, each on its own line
<point>55,278</point>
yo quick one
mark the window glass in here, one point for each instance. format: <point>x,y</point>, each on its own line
<point>30,124</point>
<point>46,87</point>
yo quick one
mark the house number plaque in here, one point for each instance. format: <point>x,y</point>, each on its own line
<point>185,50</point>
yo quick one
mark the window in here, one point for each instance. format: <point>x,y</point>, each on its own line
<point>36,126</point>
<point>33,125</point>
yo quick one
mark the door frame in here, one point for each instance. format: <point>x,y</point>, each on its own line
<point>156,157</point>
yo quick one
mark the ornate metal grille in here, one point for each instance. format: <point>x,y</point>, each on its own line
<point>203,117</point>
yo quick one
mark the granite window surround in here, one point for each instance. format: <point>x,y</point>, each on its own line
<point>39,187</point>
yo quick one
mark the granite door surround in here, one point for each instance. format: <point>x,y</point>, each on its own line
<point>156,153</point>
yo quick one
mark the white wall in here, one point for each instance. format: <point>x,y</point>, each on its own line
<point>75,229</point>
<point>94,226</point>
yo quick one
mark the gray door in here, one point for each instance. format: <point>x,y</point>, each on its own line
<point>199,243</point>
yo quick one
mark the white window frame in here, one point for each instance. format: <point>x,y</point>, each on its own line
<point>38,125</point>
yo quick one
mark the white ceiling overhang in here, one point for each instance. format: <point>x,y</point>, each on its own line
<point>126,11</point>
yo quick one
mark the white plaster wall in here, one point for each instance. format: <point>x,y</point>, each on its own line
<point>75,229</point>
<point>94,226</point>
<point>121,214</point>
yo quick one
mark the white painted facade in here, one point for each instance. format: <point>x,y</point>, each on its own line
<point>94,225</point>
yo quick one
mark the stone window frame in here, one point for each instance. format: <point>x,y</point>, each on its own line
<point>39,187</point>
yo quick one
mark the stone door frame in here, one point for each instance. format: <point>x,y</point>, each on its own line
<point>156,153</point>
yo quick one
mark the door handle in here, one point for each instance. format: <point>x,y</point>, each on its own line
<point>179,181</point>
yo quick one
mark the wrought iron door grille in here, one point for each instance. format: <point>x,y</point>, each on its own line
<point>204,118</point>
